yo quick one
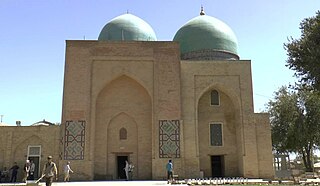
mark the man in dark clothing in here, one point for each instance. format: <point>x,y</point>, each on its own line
<point>14,173</point>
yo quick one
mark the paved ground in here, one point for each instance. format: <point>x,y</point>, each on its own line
<point>157,183</point>
<point>131,183</point>
<point>98,183</point>
<point>124,183</point>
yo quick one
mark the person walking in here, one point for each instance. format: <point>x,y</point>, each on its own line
<point>26,170</point>
<point>14,172</point>
<point>169,168</point>
<point>50,171</point>
<point>67,170</point>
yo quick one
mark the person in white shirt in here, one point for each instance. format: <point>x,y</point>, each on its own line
<point>126,170</point>
<point>32,169</point>
<point>26,170</point>
<point>67,170</point>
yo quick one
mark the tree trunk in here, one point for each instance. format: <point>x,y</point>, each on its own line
<point>307,159</point>
<point>304,158</point>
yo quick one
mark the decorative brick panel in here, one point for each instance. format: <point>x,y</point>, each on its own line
<point>74,140</point>
<point>169,139</point>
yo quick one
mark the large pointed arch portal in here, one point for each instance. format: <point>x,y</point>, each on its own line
<point>123,105</point>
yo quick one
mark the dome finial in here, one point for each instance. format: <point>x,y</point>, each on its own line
<point>202,11</point>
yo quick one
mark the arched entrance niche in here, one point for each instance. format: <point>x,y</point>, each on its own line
<point>20,153</point>
<point>21,150</point>
<point>119,145</point>
<point>123,104</point>
<point>218,133</point>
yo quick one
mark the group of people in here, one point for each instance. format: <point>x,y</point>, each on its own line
<point>49,172</point>
<point>28,171</point>
<point>129,170</point>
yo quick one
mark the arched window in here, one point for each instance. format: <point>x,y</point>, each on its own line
<point>123,134</point>
<point>215,98</point>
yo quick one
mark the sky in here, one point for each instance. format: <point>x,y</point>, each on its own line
<point>33,35</point>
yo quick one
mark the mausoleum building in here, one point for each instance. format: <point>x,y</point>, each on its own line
<point>127,96</point>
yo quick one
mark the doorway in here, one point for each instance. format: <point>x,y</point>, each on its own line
<point>36,161</point>
<point>34,154</point>
<point>121,163</point>
<point>217,166</point>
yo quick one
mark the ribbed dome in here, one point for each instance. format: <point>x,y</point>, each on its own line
<point>205,37</point>
<point>127,27</point>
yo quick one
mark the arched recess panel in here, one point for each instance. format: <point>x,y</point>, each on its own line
<point>217,134</point>
<point>21,150</point>
<point>126,102</point>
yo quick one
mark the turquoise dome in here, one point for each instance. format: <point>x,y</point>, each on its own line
<point>205,34</point>
<point>127,27</point>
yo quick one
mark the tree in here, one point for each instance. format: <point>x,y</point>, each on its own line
<point>295,124</point>
<point>304,53</point>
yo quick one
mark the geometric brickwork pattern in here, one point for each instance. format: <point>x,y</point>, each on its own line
<point>216,134</point>
<point>74,140</point>
<point>169,139</point>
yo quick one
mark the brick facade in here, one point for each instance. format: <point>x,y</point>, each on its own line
<point>132,86</point>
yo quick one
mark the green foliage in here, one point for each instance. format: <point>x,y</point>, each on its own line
<point>295,123</point>
<point>304,53</point>
<point>282,117</point>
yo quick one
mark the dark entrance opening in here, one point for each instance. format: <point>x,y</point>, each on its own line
<point>36,161</point>
<point>217,166</point>
<point>121,162</point>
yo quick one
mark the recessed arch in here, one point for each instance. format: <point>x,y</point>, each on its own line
<point>123,103</point>
<point>22,147</point>
<point>226,115</point>
<point>129,76</point>
<point>121,115</point>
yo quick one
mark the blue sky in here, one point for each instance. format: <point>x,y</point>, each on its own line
<point>33,34</point>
